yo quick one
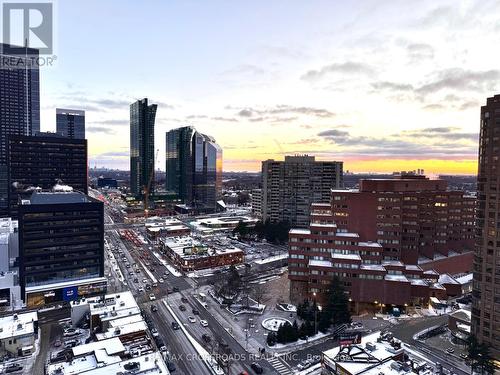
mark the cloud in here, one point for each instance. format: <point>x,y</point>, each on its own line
<point>420,51</point>
<point>114,122</point>
<point>113,154</point>
<point>284,109</point>
<point>433,107</point>
<point>228,119</point>
<point>349,67</point>
<point>99,129</point>
<point>440,142</point>
<point>462,80</point>
<point>245,113</point>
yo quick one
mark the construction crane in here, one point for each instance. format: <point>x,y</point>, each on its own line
<point>147,188</point>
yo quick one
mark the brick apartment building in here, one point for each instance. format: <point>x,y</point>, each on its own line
<point>323,251</point>
<point>417,220</point>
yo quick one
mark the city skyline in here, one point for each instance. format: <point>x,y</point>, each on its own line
<point>300,83</point>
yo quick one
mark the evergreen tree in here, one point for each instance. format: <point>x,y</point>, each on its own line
<point>271,339</point>
<point>337,307</point>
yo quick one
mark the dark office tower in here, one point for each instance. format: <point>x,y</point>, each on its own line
<point>70,123</point>
<point>194,168</point>
<point>142,145</point>
<point>179,162</point>
<point>19,105</point>
<point>61,247</point>
<point>42,162</point>
<point>486,291</point>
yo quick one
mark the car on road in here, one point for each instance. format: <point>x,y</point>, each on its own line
<point>165,273</point>
<point>136,280</point>
<point>450,350</point>
<point>182,307</point>
<point>155,285</point>
<point>206,338</point>
<point>141,289</point>
<point>257,368</point>
<point>191,319</point>
<point>184,300</point>
<point>243,373</point>
<point>161,280</point>
<point>463,356</point>
<point>154,308</point>
<point>304,364</point>
<point>152,297</point>
<point>144,281</point>
<point>204,323</point>
<point>175,326</point>
<point>170,366</point>
<point>196,312</point>
<point>175,289</point>
<point>154,332</point>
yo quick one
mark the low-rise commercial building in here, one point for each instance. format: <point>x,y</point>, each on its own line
<point>213,224</point>
<point>109,356</point>
<point>166,228</point>
<point>375,354</point>
<point>18,333</point>
<point>189,254</point>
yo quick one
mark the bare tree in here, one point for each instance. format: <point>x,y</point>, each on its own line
<point>260,292</point>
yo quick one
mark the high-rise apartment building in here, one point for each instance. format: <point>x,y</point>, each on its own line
<point>61,247</point>
<point>19,105</point>
<point>41,162</point>
<point>289,187</point>
<point>486,285</point>
<point>194,168</point>
<point>70,123</point>
<point>416,220</point>
<point>142,145</point>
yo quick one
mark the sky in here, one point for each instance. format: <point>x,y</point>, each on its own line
<point>381,85</point>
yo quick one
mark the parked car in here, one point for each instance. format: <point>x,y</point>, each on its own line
<point>175,289</point>
<point>191,319</point>
<point>204,323</point>
<point>175,326</point>
<point>154,308</point>
<point>160,280</point>
<point>182,308</point>
<point>13,367</point>
<point>184,300</point>
<point>68,332</point>
<point>152,297</point>
<point>154,332</point>
<point>196,312</point>
<point>450,350</point>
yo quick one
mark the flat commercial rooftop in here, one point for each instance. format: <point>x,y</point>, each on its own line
<point>58,197</point>
<point>17,325</point>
